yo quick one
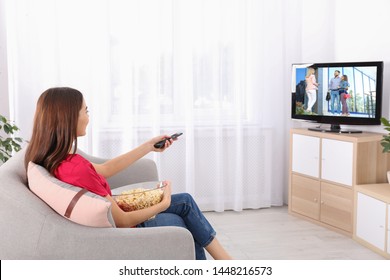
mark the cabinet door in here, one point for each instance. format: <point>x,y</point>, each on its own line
<point>305,155</point>
<point>371,220</point>
<point>388,228</point>
<point>336,206</point>
<point>305,196</point>
<point>337,161</point>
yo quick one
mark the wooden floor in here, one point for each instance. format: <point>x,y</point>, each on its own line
<point>273,234</point>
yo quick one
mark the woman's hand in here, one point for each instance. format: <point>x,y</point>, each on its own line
<point>154,140</point>
<point>133,218</point>
<point>166,200</point>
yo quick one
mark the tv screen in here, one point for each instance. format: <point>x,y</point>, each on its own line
<point>337,93</point>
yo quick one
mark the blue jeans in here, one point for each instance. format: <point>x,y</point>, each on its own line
<point>184,212</point>
<point>334,96</point>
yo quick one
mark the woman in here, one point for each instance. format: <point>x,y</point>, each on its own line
<point>61,116</point>
<point>343,91</point>
<point>311,89</point>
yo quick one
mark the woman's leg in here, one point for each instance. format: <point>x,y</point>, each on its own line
<point>343,103</point>
<point>170,219</point>
<point>184,206</point>
<point>216,250</point>
<point>313,98</point>
<point>310,100</point>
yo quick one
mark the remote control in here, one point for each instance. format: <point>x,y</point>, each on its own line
<point>161,143</point>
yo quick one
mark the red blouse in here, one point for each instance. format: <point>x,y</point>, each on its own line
<point>78,171</point>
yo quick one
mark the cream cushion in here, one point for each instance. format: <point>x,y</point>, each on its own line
<point>90,209</point>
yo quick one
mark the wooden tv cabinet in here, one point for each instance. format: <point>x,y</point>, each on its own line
<point>325,169</point>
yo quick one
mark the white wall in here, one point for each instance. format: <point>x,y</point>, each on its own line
<point>362,35</point>
<point>318,31</point>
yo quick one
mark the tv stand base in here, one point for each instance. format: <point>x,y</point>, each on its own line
<point>335,128</point>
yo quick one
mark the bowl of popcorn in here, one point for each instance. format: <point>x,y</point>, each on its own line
<point>139,197</point>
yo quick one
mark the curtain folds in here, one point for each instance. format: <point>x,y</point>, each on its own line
<point>210,69</point>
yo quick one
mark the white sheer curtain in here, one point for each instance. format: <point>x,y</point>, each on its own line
<point>210,69</point>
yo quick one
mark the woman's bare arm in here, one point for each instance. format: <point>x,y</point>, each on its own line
<point>115,165</point>
<point>133,218</point>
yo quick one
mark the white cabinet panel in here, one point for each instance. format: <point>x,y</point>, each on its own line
<point>371,220</point>
<point>305,155</point>
<point>337,161</point>
<point>388,228</point>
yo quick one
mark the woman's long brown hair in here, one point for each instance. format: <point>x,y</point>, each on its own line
<point>55,127</point>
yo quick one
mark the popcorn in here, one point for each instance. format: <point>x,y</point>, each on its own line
<point>139,198</point>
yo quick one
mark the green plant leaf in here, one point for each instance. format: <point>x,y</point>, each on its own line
<point>10,144</point>
<point>8,148</point>
<point>385,122</point>
<point>386,138</point>
<point>3,119</point>
<point>15,145</point>
<point>7,128</point>
<point>386,149</point>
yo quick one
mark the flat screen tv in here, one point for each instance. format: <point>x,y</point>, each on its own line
<point>337,93</point>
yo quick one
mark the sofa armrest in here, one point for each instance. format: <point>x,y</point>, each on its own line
<point>81,242</point>
<point>143,170</point>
